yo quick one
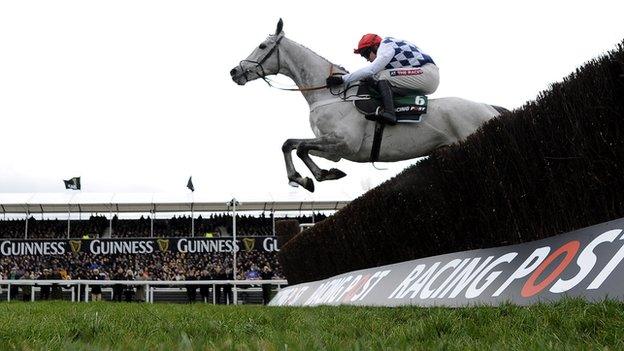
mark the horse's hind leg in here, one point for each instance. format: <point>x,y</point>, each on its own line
<point>294,178</point>
<point>326,146</point>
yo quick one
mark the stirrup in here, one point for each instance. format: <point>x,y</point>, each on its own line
<point>388,118</point>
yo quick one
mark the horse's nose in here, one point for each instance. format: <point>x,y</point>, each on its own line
<point>233,72</point>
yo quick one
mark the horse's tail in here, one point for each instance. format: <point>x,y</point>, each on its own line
<point>499,109</point>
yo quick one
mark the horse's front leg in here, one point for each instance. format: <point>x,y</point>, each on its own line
<point>294,178</point>
<point>329,147</point>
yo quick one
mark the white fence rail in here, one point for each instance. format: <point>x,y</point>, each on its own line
<point>150,285</point>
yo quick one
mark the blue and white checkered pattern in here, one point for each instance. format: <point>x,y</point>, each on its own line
<point>406,54</point>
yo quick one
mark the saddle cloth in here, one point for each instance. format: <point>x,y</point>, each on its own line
<point>409,105</point>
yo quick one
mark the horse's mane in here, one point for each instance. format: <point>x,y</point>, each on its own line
<point>312,51</point>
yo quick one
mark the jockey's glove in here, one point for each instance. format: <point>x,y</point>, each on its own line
<point>333,81</point>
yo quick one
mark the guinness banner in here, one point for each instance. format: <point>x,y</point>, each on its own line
<point>584,263</point>
<point>136,246</point>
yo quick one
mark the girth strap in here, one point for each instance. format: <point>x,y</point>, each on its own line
<point>379,129</point>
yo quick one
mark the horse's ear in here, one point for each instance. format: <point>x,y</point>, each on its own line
<point>280,25</point>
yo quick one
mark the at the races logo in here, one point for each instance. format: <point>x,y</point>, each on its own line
<point>406,72</point>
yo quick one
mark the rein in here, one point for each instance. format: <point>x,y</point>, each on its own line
<point>268,81</point>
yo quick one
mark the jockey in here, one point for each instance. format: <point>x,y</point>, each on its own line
<point>394,63</point>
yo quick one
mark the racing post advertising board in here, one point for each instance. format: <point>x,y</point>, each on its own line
<point>583,263</point>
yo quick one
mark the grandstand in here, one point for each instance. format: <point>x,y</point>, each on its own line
<point>75,205</point>
<point>83,237</point>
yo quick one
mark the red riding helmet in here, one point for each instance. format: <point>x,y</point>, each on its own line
<point>367,41</point>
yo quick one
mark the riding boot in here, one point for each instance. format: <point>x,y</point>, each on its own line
<point>387,116</point>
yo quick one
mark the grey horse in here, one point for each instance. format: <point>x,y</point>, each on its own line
<point>341,130</point>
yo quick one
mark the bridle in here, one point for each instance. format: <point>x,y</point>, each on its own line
<point>263,75</point>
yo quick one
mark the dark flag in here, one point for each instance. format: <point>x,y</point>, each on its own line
<point>190,184</point>
<point>73,183</point>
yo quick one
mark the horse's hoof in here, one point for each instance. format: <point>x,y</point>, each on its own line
<point>308,184</point>
<point>332,174</point>
<point>294,180</point>
<point>297,180</point>
<point>336,173</point>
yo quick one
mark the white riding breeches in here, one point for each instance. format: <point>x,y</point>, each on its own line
<point>424,79</point>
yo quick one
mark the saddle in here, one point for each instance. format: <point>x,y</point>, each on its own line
<point>409,105</point>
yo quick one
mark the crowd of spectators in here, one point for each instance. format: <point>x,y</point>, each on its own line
<point>165,266</point>
<point>159,265</point>
<point>177,226</point>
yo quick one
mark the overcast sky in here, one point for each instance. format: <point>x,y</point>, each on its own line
<point>135,96</point>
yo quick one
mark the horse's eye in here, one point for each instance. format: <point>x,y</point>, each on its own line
<point>262,46</point>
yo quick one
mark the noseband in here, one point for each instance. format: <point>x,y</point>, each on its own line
<point>258,64</point>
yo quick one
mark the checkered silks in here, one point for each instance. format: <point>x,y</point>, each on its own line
<point>406,54</point>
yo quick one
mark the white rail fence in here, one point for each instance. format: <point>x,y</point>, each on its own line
<point>150,286</point>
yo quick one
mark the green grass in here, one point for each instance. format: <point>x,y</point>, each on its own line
<point>568,325</point>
